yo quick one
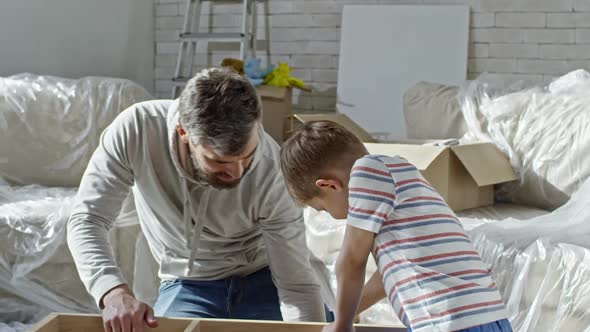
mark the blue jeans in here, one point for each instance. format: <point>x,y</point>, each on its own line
<point>251,297</point>
<point>497,326</point>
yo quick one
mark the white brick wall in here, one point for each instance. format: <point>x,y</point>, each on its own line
<point>561,20</point>
<point>515,51</point>
<point>520,20</point>
<point>582,5</point>
<point>551,36</point>
<point>532,40</point>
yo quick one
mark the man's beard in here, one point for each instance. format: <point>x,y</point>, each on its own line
<point>212,178</point>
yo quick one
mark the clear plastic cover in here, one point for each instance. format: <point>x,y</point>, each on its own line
<point>18,314</point>
<point>50,126</point>
<point>37,272</point>
<point>542,266</point>
<point>472,218</point>
<point>545,131</point>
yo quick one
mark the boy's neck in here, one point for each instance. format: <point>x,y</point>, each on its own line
<point>349,162</point>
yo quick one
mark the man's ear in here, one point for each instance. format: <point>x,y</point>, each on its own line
<point>328,184</point>
<point>182,133</point>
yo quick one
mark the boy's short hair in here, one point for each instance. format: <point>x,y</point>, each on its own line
<point>314,148</point>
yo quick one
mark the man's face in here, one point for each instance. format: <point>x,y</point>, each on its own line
<point>222,171</point>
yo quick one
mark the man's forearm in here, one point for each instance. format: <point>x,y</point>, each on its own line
<point>88,241</point>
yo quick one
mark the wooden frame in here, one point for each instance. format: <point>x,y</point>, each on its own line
<point>93,323</point>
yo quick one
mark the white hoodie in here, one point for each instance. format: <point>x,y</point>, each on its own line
<point>194,231</point>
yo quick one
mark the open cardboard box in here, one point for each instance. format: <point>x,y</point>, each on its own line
<point>463,174</point>
<point>93,323</point>
<point>276,109</point>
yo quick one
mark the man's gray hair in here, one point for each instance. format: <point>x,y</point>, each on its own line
<point>219,108</point>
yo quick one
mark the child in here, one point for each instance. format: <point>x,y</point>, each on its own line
<point>429,269</point>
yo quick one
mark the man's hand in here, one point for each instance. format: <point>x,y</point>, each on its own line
<point>124,313</point>
<point>332,327</point>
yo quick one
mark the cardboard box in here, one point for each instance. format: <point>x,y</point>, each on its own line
<point>276,109</point>
<point>93,323</point>
<point>464,175</point>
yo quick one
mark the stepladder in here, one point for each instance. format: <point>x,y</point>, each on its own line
<point>191,35</point>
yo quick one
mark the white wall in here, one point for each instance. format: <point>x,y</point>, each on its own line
<point>522,39</point>
<point>75,38</point>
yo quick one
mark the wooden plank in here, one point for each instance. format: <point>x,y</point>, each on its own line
<point>194,326</point>
<point>93,323</point>
<point>172,325</point>
<point>369,328</point>
<point>86,323</point>
<point>214,325</point>
<point>47,324</point>
<point>257,326</point>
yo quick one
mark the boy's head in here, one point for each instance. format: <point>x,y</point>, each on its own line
<point>316,163</point>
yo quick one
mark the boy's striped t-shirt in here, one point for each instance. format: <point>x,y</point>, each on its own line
<point>433,276</point>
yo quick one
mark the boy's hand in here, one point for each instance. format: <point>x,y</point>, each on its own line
<point>333,328</point>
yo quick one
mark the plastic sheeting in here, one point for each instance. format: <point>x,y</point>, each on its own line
<point>325,236</point>
<point>32,226</point>
<point>37,272</point>
<point>49,126</point>
<point>544,130</point>
<point>542,266</point>
<point>473,218</point>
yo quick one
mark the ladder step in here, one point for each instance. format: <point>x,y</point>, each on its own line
<point>179,81</point>
<point>219,36</point>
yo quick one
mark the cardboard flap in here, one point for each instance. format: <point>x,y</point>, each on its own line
<point>485,163</point>
<point>422,156</point>
<point>340,119</point>
<point>268,91</point>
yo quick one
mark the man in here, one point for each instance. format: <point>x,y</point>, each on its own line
<point>212,205</point>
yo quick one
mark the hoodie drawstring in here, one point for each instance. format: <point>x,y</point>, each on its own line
<point>193,233</point>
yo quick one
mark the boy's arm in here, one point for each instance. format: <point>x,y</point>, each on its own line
<point>350,273</point>
<point>371,200</point>
<point>372,293</point>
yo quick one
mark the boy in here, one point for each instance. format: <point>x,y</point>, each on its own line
<point>429,269</point>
